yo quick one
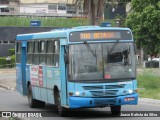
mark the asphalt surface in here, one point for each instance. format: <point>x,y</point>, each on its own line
<point>8,78</point>
<point>13,101</point>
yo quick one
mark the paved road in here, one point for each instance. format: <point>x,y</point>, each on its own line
<point>13,101</point>
<point>8,78</point>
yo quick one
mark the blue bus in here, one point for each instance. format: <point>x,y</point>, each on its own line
<point>81,67</point>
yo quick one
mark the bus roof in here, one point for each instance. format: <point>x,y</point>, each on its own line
<point>49,34</point>
<point>63,33</point>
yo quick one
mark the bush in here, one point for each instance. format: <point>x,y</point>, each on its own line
<point>2,62</point>
<point>11,51</point>
<point>5,63</point>
<point>13,59</point>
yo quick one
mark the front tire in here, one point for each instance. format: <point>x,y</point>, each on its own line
<point>116,110</point>
<point>61,111</point>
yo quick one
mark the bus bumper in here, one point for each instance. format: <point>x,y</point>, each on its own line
<point>82,102</point>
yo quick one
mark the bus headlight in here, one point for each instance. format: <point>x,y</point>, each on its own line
<point>77,93</point>
<point>130,91</point>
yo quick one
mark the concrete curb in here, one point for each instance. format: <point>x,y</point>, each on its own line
<point>148,100</point>
<point>7,87</point>
<point>7,70</point>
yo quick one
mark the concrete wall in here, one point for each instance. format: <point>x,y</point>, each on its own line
<point>8,36</point>
<point>4,49</point>
<point>46,1</point>
<point>10,33</point>
<point>34,8</point>
<point>41,8</point>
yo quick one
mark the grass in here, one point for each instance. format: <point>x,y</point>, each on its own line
<point>47,22</point>
<point>149,83</point>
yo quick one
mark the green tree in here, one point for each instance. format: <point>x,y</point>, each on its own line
<point>144,20</point>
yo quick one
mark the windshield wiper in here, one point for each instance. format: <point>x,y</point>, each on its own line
<point>89,48</point>
<point>113,47</point>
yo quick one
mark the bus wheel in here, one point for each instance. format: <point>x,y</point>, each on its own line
<point>115,110</point>
<point>32,102</point>
<point>60,109</point>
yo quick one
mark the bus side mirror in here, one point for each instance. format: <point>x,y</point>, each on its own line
<point>66,58</point>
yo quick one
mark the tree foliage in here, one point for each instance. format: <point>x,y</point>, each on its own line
<point>144,20</point>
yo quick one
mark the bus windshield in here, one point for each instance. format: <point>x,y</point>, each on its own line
<point>100,61</point>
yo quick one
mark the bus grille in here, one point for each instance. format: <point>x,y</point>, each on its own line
<point>104,93</point>
<point>93,87</point>
<point>103,90</point>
<point>114,86</point>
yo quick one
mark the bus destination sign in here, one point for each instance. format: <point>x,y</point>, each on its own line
<point>100,35</point>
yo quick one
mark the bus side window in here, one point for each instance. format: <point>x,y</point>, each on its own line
<point>29,52</point>
<point>50,52</point>
<point>56,53</point>
<point>18,52</point>
<point>36,53</point>
<point>42,52</point>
